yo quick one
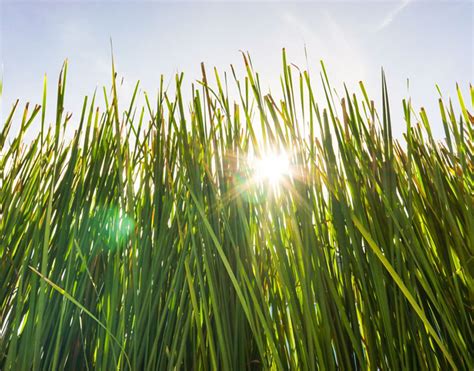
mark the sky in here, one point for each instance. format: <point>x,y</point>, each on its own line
<point>427,42</point>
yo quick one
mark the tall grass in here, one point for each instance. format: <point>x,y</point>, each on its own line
<point>144,241</point>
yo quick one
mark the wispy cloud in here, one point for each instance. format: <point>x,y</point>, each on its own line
<point>390,17</point>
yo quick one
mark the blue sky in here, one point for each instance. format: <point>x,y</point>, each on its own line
<point>428,42</point>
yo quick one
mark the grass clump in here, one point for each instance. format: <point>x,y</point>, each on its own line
<point>145,241</point>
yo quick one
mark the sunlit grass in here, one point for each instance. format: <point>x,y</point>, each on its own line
<point>212,234</point>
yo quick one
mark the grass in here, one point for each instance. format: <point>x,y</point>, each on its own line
<point>145,242</point>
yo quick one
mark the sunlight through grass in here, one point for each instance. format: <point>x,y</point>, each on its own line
<point>271,167</point>
<point>154,240</point>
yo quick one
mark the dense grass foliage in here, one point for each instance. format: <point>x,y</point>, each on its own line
<point>145,241</point>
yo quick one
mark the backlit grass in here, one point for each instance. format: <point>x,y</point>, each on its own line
<point>237,233</point>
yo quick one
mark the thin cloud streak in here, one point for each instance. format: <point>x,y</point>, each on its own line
<point>393,14</point>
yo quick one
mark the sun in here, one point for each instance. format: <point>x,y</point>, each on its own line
<point>272,167</point>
